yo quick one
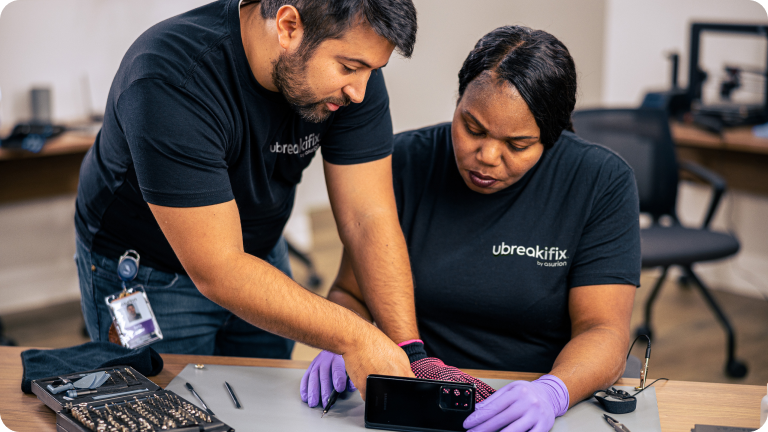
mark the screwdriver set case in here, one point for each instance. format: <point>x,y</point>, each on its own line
<point>126,402</point>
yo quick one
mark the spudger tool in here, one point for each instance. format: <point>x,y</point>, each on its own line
<point>189,387</point>
<point>232,394</point>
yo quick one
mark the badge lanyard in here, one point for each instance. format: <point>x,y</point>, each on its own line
<point>131,312</point>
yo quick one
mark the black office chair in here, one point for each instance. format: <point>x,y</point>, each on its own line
<point>642,137</point>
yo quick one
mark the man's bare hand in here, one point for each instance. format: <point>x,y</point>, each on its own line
<point>377,355</point>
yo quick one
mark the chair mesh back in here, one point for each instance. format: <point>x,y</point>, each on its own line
<point>642,138</point>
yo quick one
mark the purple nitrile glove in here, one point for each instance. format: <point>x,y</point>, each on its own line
<point>327,372</point>
<point>521,406</point>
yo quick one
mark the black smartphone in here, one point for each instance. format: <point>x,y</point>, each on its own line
<point>412,404</point>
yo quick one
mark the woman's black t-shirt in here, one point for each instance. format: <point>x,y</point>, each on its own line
<point>492,273</point>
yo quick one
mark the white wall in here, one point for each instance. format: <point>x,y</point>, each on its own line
<point>638,36</point>
<point>743,215</point>
<point>423,89</point>
<point>37,244</point>
<point>56,43</point>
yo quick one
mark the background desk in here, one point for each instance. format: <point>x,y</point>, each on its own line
<point>53,171</point>
<point>737,155</point>
<point>681,404</point>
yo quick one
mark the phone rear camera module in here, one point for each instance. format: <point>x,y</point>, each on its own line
<point>455,399</point>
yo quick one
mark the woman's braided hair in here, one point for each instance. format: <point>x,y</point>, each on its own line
<point>538,65</point>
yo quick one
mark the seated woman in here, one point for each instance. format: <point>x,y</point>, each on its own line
<point>523,238</point>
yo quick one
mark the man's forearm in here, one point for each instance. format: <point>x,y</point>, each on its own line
<point>591,361</point>
<point>265,297</point>
<point>380,262</point>
<point>208,242</point>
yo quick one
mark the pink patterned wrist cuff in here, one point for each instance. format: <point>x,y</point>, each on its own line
<point>402,344</point>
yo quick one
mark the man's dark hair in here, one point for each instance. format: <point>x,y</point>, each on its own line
<point>394,20</point>
<point>538,65</point>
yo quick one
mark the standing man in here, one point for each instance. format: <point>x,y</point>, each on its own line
<point>210,121</point>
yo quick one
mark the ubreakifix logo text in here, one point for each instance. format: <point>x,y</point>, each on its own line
<point>545,257</point>
<point>305,147</point>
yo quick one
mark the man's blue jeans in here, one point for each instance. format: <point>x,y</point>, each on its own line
<point>191,324</point>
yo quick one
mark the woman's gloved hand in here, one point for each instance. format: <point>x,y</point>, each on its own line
<point>521,406</point>
<point>434,368</point>
<point>326,372</point>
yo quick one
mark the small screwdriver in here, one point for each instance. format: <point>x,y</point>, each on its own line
<point>78,393</point>
<point>331,401</point>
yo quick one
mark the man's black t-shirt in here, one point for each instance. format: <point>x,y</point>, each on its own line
<point>492,273</point>
<point>187,125</point>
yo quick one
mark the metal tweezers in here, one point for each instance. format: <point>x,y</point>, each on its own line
<point>618,427</point>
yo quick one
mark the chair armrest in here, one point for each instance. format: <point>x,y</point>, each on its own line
<point>718,187</point>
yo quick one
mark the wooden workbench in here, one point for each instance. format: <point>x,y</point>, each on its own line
<point>53,171</point>
<point>737,139</point>
<point>66,143</point>
<point>681,404</point>
<point>737,155</point>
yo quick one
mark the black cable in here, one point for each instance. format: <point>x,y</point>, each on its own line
<point>654,382</point>
<point>647,350</point>
<point>618,401</point>
<point>647,356</point>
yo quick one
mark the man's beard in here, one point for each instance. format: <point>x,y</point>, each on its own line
<point>288,75</point>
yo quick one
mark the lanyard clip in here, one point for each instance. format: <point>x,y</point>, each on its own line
<point>128,266</point>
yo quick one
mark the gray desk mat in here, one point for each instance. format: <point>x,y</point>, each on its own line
<point>270,401</point>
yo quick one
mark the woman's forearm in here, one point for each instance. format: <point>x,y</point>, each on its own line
<point>591,361</point>
<point>344,298</point>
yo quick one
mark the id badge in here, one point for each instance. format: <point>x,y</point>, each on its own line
<point>130,309</point>
<point>133,317</point>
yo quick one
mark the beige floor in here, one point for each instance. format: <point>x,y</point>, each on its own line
<point>688,342</point>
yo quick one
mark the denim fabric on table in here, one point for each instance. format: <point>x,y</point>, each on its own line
<point>39,363</point>
<point>190,323</point>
